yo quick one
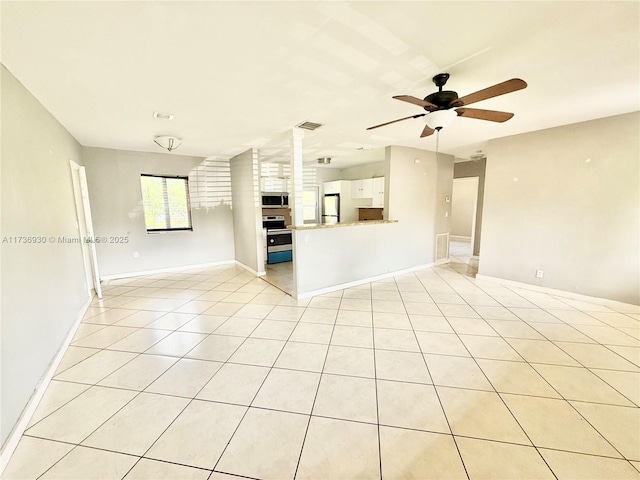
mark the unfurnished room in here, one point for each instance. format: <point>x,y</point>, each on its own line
<point>292,240</point>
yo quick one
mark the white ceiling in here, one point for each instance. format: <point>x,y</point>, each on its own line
<point>241,74</point>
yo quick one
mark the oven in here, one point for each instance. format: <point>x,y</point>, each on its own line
<point>278,239</point>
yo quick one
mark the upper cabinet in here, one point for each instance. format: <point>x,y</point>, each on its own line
<point>362,188</point>
<point>377,186</point>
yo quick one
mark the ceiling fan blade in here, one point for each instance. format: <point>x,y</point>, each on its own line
<point>416,101</point>
<point>500,89</point>
<point>491,115</point>
<point>398,120</point>
<point>426,131</point>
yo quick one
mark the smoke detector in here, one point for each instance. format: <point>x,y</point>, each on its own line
<point>324,160</point>
<point>163,116</point>
<point>478,156</point>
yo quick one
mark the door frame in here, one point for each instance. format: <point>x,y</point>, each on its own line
<point>476,184</point>
<point>85,227</point>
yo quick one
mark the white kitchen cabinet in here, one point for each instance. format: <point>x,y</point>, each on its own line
<point>377,186</point>
<point>362,188</point>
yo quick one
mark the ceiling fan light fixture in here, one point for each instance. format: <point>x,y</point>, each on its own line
<point>440,118</point>
<point>168,142</point>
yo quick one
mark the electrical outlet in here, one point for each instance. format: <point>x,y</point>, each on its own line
<point>539,274</point>
<point>135,255</point>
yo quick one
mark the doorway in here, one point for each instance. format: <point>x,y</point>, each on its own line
<point>85,228</point>
<point>464,208</point>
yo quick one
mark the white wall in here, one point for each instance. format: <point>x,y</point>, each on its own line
<point>566,201</point>
<point>247,212</point>
<point>326,257</point>
<point>463,202</point>
<point>43,289</point>
<point>113,177</point>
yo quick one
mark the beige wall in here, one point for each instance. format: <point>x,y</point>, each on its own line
<point>113,177</point>
<point>247,212</point>
<point>463,202</point>
<point>43,288</point>
<point>416,198</point>
<point>566,201</point>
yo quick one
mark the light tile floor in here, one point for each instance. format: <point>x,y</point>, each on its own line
<point>281,275</point>
<point>214,374</point>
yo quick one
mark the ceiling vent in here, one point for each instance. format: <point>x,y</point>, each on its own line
<point>309,125</point>
<point>324,160</point>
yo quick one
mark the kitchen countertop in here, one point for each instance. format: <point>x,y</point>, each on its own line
<point>312,226</point>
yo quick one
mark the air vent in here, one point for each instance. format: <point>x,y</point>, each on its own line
<point>442,247</point>
<point>309,125</point>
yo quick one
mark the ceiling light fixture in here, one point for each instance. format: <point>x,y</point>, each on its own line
<point>163,116</point>
<point>168,142</point>
<point>324,160</point>
<point>440,118</point>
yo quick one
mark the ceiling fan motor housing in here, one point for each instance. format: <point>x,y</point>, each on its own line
<point>442,99</point>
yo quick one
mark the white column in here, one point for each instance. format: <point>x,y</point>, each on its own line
<point>297,184</point>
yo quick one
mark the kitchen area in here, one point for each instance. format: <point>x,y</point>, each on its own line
<point>348,201</point>
<point>331,196</point>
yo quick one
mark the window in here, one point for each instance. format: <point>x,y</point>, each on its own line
<point>310,204</point>
<point>166,203</point>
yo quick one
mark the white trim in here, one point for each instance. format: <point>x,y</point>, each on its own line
<point>355,283</point>
<point>459,238</point>
<point>115,276</point>
<point>249,269</point>
<point>15,435</point>
<point>558,293</point>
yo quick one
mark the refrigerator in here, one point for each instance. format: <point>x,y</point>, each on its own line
<point>331,208</point>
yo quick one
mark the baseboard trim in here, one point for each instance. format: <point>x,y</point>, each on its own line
<point>116,276</point>
<point>556,292</point>
<point>355,283</point>
<point>249,269</point>
<point>14,437</point>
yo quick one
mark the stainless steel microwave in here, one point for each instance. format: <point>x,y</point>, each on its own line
<point>275,200</point>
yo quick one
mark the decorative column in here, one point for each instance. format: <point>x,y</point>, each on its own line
<point>297,182</point>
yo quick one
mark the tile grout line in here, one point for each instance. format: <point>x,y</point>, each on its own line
<point>375,374</point>
<point>114,414</point>
<point>261,384</point>
<point>444,413</point>
<point>500,396</point>
<point>315,397</point>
